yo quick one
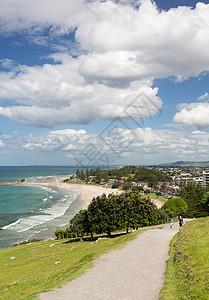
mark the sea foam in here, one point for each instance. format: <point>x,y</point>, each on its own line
<point>48,214</point>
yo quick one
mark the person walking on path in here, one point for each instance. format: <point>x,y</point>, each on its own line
<point>180,222</point>
<point>171,223</point>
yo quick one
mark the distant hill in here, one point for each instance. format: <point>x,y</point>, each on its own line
<point>186,164</point>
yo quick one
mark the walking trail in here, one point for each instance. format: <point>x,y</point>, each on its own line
<point>135,272</point>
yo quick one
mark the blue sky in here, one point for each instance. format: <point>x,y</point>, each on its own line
<point>103,82</point>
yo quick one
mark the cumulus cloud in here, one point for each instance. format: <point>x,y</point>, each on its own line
<point>58,95</point>
<point>66,139</point>
<point>136,145</point>
<point>194,114</point>
<point>122,48</point>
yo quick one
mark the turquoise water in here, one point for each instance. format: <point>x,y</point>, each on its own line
<point>28,212</point>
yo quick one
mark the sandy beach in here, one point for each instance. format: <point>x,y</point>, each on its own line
<point>85,192</point>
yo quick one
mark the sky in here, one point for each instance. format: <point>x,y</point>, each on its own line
<point>103,83</point>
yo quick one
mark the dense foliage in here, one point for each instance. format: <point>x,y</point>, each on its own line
<point>176,205</point>
<point>114,212</point>
<point>193,193</point>
<point>127,173</point>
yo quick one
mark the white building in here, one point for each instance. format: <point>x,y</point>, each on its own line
<point>205,178</point>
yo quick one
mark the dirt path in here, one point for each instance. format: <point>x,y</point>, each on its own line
<point>136,272</point>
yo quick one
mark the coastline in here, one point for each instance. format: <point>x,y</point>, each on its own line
<point>85,192</point>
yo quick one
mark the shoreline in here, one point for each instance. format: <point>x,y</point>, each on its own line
<point>85,192</point>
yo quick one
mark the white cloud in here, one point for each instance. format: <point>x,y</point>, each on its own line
<point>124,42</point>
<point>194,114</point>
<point>56,140</point>
<point>58,95</point>
<point>203,97</point>
<point>124,48</point>
<point>2,144</point>
<point>138,145</point>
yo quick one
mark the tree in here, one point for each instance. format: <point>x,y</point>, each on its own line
<point>82,175</point>
<point>193,193</point>
<point>153,181</point>
<point>158,194</point>
<point>78,173</point>
<point>59,233</point>
<point>115,185</point>
<point>98,176</point>
<point>105,177</point>
<point>87,175</point>
<point>80,223</point>
<point>102,214</point>
<point>205,202</point>
<point>115,212</point>
<point>127,186</point>
<point>137,188</point>
<point>177,205</point>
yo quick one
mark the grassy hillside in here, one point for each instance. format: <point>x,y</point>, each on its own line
<point>30,269</point>
<point>187,274</point>
<point>185,164</point>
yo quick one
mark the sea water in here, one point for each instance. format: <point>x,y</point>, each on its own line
<point>28,212</point>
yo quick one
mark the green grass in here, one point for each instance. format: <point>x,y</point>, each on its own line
<point>187,274</point>
<point>153,196</point>
<point>43,266</point>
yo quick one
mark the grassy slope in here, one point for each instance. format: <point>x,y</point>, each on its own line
<point>33,269</point>
<point>187,274</point>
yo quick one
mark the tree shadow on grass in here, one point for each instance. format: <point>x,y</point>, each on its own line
<point>95,238</point>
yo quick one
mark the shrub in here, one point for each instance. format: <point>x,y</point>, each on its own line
<point>127,186</point>
<point>177,205</point>
<point>60,234</point>
<point>115,185</point>
<point>137,188</point>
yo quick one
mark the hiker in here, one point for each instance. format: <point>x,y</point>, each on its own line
<point>180,222</point>
<point>171,223</point>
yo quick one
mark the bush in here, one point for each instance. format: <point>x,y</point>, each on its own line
<point>127,186</point>
<point>177,205</point>
<point>137,188</point>
<point>115,185</point>
<point>60,234</point>
<point>158,194</point>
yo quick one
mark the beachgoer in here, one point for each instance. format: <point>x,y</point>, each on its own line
<point>171,223</point>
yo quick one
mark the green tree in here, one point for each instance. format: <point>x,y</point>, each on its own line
<point>79,223</point>
<point>127,186</point>
<point>59,233</point>
<point>115,185</point>
<point>78,173</point>
<point>82,175</point>
<point>177,205</point>
<point>87,175</point>
<point>102,214</point>
<point>98,176</point>
<point>105,177</point>
<point>205,202</point>
<point>193,193</point>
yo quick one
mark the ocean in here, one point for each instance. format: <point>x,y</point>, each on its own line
<point>28,212</point>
